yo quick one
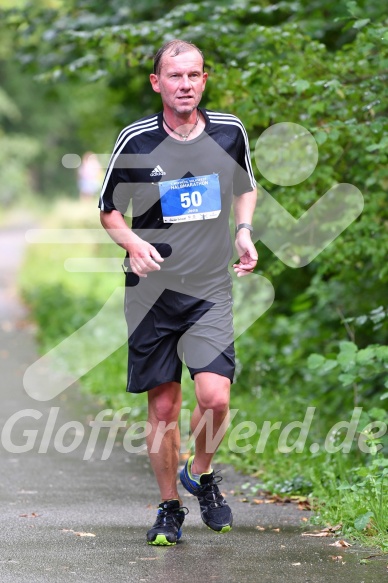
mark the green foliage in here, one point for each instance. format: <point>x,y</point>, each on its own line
<point>18,150</point>
<point>363,369</point>
<point>39,124</point>
<point>355,498</point>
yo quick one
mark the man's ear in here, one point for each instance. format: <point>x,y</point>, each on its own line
<point>155,82</point>
<point>205,76</point>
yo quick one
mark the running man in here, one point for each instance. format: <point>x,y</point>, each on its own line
<point>182,169</point>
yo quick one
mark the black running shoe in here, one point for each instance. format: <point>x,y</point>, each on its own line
<point>168,525</point>
<point>215,511</point>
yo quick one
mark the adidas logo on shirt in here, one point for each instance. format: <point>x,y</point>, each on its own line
<point>157,171</point>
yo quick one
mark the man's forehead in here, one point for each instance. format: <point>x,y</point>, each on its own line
<point>187,59</point>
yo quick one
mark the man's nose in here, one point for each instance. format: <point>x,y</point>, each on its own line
<point>185,82</point>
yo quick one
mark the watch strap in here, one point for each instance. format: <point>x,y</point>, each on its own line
<point>244,226</point>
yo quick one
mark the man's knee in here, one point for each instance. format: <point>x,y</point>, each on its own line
<point>213,392</point>
<point>218,404</point>
<point>164,402</point>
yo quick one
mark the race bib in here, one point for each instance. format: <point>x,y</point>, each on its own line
<point>196,198</point>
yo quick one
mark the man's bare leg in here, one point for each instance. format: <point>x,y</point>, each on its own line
<point>213,394</point>
<point>163,443</point>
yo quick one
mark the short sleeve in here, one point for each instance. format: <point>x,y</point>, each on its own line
<point>243,179</point>
<point>116,188</point>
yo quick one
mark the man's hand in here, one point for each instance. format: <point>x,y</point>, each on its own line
<point>143,257</point>
<point>247,253</point>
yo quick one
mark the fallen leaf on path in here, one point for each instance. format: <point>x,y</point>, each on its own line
<point>22,491</point>
<point>336,558</point>
<point>276,529</point>
<point>332,528</point>
<point>77,533</point>
<point>302,502</point>
<point>280,500</point>
<point>260,527</point>
<point>84,534</point>
<point>373,556</point>
<point>32,515</point>
<point>340,543</point>
<point>320,534</point>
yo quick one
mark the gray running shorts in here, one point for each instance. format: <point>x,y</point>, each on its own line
<point>172,319</point>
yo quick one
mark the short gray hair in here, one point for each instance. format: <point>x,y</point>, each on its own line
<point>174,47</point>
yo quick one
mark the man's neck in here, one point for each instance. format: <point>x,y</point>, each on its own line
<point>176,119</point>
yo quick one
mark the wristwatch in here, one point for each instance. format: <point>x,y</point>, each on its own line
<point>244,226</point>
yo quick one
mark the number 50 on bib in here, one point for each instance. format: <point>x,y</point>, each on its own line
<point>196,198</point>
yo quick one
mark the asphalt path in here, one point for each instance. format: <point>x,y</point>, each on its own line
<point>68,515</point>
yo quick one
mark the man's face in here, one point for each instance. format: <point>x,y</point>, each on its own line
<point>181,81</point>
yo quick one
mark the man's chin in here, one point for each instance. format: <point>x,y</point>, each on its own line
<point>185,109</point>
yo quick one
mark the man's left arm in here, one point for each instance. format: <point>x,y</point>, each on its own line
<point>244,206</point>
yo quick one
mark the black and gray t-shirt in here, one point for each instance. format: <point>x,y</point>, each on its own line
<point>181,192</point>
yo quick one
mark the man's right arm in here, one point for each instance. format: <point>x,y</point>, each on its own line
<point>143,257</point>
